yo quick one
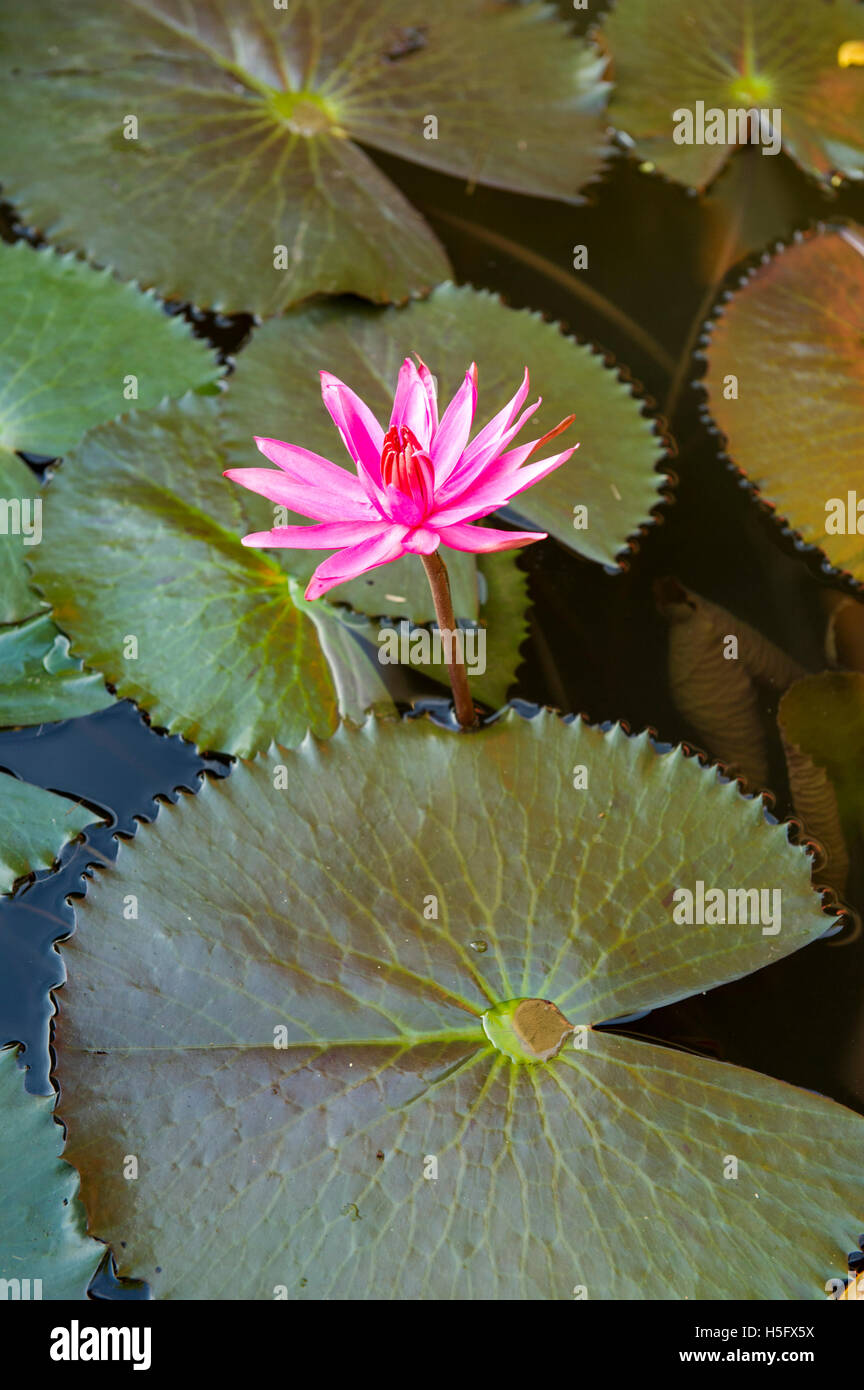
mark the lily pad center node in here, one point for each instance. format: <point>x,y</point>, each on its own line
<point>527,1030</point>
<point>305,113</point>
<point>751,90</point>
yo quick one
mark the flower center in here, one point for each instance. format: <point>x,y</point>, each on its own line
<point>405,466</point>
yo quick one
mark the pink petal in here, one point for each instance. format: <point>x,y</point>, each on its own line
<point>357,559</point>
<point>326,537</point>
<point>302,466</point>
<point>422,541</point>
<point>401,509</point>
<point>361,433</point>
<point>493,492</point>
<point>451,436</point>
<point>484,538</point>
<point>411,404</point>
<point>517,479</point>
<point>431,392</point>
<point>321,503</point>
<point>499,423</point>
<point>510,462</point>
<point>467,472</point>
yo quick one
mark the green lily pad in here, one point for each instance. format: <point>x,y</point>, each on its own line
<point>767,55</point>
<point>34,827</point>
<point>156,591</point>
<point>613,472</point>
<point>40,681</point>
<point>43,1245</point>
<point>503,618</point>
<point>299,1038</point>
<point>791,339</point>
<point>20,522</point>
<point>76,348</point>
<point>504,613</point>
<point>241,185</point>
<point>822,722</point>
<point>348,643</point>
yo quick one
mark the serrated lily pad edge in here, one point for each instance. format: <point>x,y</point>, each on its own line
<point>176,323</point>
<point>513,709</point>
<point>745,272</point>
<point>521,710</point>
<point>71,1211</point>
<point>657,430</point>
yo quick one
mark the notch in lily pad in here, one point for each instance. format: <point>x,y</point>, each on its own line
<point>527,1030</point>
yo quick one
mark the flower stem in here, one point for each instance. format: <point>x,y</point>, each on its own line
<point>439,583</point>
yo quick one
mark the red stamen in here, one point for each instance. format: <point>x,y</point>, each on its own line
<point>405,466</point>
<point>396,456</point>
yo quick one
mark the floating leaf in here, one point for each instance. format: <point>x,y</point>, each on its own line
<point>822,723</point>
<point>348,643</point>
<point>503,618</point>
<point>504,614</point>
<point>298,1028</point>
<point>42,1234</point>
<point>156,591</point>
<point>716,663</point>
<point>19,494</point>
<point>754,204</point>
<point>792,338</point>
<point>39,681</point>
<point>214,152</point>
<point>362,641</point>
<point>612,473</point>
<point>34,827</point>
<point>771,55</point>
<point>76,347</point>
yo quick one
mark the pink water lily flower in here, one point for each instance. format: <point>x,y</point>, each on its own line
<point>418,484</point>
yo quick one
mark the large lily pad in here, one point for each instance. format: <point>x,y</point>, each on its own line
<point>294,1036</point>
<point>613,472</point>
<point>792,338</point>
<point>156,591</point>
<point>41,1218</point>
<point>34,827</point>
<point>40,681</point>
<point>246,121</point>
<point>76,348</point>
<point>738,54</point>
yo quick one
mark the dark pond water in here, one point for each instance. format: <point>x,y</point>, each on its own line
<point>597,644</point>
